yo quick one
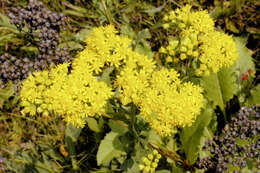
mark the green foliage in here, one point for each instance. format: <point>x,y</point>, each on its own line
<point>5,94</point>
<point>93,125</point>
<point>191,137</point>
<point>221,87</point>
<point>73,132</point>
<point>109,148</point>
<point>46,145</point>
<point>245,61</point>
<point>254,97</point>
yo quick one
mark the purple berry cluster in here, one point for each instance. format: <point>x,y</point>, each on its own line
<point>238,144</point>
<point>42,31</point>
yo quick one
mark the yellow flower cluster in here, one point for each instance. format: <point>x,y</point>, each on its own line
<point>150,163</point>
<point>217,50</point>
<point>33,94</point>
<point>184,19</point>
<point>168,103</point>
<point>106,48</point>
<point>78,94</point>
<point>74,96</point>
<point>133,78</point>
<point>164,101</point>
<point>198,41</point>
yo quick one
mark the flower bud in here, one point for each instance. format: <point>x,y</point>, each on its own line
<point>45,113</point>
<point>182,25</point>
<point>158,156</point>
<point>38,101</point>
<point>162,50</point>
<point>183,56</point>
<point>183,49</point>
<point>193,37</point>
<point>166,25</point>
<point>141,167</point>
<point>174,43</point>
<point>168,59</point>
<point>39,110</point>
<point>154,165</point>
<point>150,156</point>
<point>155,152</point>
<point>165,18</point>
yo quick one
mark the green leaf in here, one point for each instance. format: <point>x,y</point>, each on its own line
<point>74,13</point>
<point>143,47</point>
<point>93,125</point>
<point>30,49</point>
<point>6,93</point>
<point>73,132</point>
<point>118,126</point>
<point>144,34</point>
<point>5,24</point>
<point>127,30</point>
<point>82,34</point>
<point>72,45</point>
<point>106,75</point>
<point>154,138</point>
<point>245,61</point>
<point>163,171</point>
<point>231,26</point>
<point>191,137</point>
<point>154,10</point>
<point>176,169</point>
<point>221,87</point>
<point>254,96</point>
<point>109,148</point>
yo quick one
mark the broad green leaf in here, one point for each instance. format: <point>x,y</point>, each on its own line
<point>109,148</point>
<point>118,126</point>
<point>73,132</point>
<point>245,61</point>
<point>93,125</point>
<point>254,97</point>
<point>191,137</point>
<point>220,87</point>
<point>154,138</point>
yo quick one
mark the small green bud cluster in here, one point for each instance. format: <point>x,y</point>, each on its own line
<point>198,41</point>
<point>173,18</point>
<point>33,97</point>
<point>150,162</point>
<point>181,50</point>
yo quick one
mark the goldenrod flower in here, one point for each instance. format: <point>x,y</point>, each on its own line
<point>164,101</point>
<point>150,162</point>
<point>168,102</point>
<point>199,40</point>
<point>217,50</point>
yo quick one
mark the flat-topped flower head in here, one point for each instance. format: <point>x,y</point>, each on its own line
<point>169,103</point>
